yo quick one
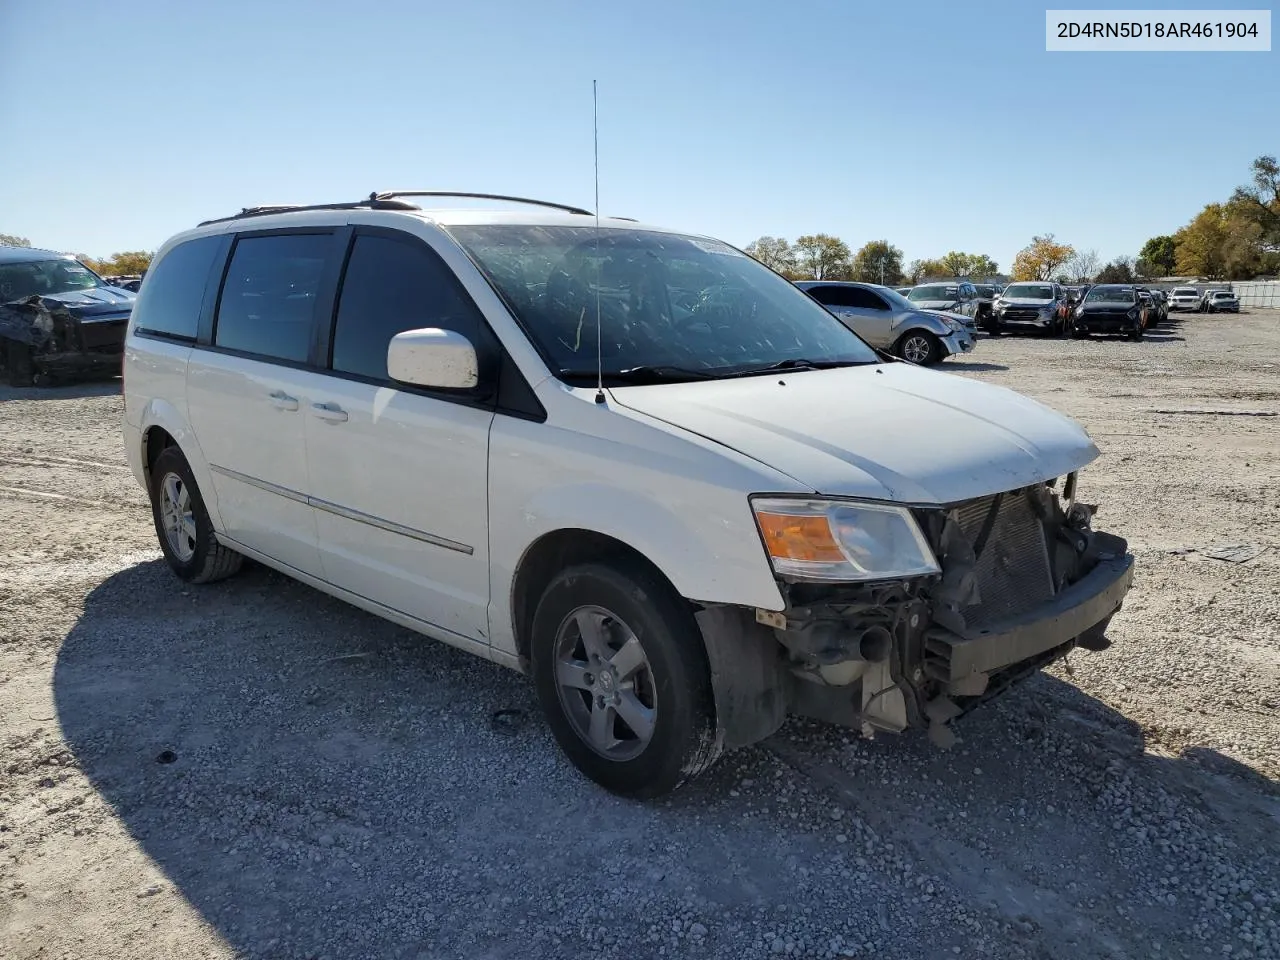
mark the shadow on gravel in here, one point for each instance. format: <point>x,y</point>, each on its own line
<point>318,782</point>
<point>70,391</point>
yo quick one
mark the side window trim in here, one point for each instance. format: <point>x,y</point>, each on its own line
<point>504,385</point>
<point>323,295</point>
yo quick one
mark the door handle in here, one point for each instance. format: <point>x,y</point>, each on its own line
<point>282,401</point>
<point>330,412</point>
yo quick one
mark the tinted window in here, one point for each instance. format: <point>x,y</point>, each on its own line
<point>832,296</point>
<point>866,299</point>
<point>175,289</point>
<point>269,296</point>
<point>392,286</point>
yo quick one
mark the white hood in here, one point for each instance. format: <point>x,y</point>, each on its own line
<point>883,432</point>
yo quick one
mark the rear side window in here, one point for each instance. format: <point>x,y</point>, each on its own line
<point>269,297</point>
<point>169,302</point>
<point>830,296</point>
<point>392,286</point>
<point>860,297</point>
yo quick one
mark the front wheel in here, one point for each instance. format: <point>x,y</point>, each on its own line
<point>183,525</point>
<point>620,670</point>
<point>920,347</point>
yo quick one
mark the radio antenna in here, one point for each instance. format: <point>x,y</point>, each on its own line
<point>595,138</point>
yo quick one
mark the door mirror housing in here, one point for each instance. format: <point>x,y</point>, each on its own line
<point>434,358</point>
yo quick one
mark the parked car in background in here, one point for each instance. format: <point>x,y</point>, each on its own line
<point>1221,301</point>
<point>58,319</point>
<point>711,507</point>
<point>1184,298</point>
<point>959,296</point>
<point>1158,308</point>
<point>1036,305</point>
<point>1111,308</point>
<point>887,320</point>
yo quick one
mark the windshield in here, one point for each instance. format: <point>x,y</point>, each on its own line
<point>679,307</point>
<point>1186,293</point>
<point>1110,295</point>
<point>1223,295</point>
<point>40,278</point>
<point>934,293</point>
<point>1028,291</point>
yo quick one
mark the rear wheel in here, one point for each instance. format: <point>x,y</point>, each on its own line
<point>920,347</point>
<point>183,525</point>
<point>621,673</point>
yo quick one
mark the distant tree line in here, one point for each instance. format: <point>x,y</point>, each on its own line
<point>820,256</point>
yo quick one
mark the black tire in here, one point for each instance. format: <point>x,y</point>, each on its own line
<point>1078,334</point>
<point>683,741</point>
<point>209,560</point>
<point>1136,334</point>
<point>932,349</point>
<point>19,366</point>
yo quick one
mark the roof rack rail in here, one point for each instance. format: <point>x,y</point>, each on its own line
<point>373,202</point>
<point>392,194</point>
<point>386,200</point>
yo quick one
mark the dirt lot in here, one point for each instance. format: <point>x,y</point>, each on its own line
<point>252,769</point>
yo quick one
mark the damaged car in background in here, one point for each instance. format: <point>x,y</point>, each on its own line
<point>58,319</point>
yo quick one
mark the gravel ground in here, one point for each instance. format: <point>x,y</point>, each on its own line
<point>253,769</point>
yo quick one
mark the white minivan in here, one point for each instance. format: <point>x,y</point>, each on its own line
<point>635,464</point>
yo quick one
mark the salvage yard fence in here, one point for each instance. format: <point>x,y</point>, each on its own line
<point>1258,293</point>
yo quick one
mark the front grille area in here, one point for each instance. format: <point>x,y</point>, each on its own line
<point>1017,314</point>
<point>1012,571</point>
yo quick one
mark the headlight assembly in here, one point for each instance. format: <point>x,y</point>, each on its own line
<point>814,539</point>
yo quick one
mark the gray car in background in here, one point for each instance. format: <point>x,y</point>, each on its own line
<point>889,321</point>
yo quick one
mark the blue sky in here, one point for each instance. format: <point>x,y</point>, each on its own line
<point>937,125</point>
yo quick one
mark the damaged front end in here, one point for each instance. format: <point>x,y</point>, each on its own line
<point>43,340</point>
<point>1023,579</point>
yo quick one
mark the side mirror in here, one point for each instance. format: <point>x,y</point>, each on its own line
<point>435,358</point>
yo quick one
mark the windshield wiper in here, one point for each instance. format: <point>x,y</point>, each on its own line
<point>642,374</point>
<point>797,363</point>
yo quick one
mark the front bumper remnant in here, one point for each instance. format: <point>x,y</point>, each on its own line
<point>959,658</point>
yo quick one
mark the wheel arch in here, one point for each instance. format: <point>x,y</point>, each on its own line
<point>163,426</point>
<point>553,552</point>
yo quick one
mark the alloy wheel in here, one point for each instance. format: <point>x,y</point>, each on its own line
<point>605,683</point>
<point>177,518</point>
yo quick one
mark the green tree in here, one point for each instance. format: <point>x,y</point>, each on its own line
<point>820,256</point>
<point>774,252</point>
<point>1161,254</point>
<point>9,240</point>
<point>1041,258</point>
<point>921,270</point>
<point>1259,203</point>
<point>975,265</point>
<point>1119,270</point>
<point>878,262</point>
